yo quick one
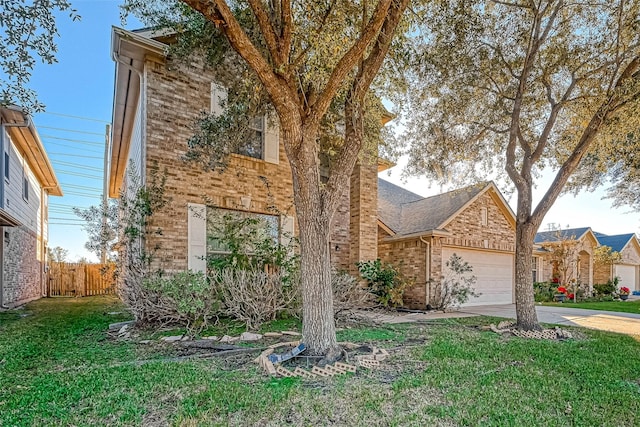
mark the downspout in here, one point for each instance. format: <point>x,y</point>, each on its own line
<point>3,126</point>
<point>427,270</point>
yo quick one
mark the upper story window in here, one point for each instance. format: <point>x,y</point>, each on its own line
<point>5,149</point>
<point>264,140</point>
<point>25,185</point>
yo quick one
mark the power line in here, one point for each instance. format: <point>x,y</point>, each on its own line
<point>83,175</point>
<point>66,219</point>
<point>81,141</point>
<point>62,223</point>
<point>77,165</point>
<point>80,187</point>
<point>77,193</point>
<point>71,130</point>
<point>76,155</point>
<point>89,119</point>
<point>70,146</point>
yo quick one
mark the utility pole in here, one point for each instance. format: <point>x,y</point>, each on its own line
<point>105,187</point>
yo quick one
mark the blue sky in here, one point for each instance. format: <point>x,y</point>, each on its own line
<point>78,93</point>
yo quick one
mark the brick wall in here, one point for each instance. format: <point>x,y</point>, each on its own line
<point>21,266</point>
<point>409,257</point>
<point>363,224</point>
<point>174,100</point>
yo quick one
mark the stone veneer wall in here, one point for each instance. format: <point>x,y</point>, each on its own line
<point>21,266</point>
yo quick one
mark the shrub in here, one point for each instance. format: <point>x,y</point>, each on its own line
<point>384,281</point>
<point>254,296</point>
<point>348,293</point>
<point>544,291</point>
<point>455,288</point>
<point>604,288</point>
<point>186,298</point>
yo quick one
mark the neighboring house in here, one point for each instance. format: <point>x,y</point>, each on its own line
<point>420,235</point>
<point>564,255</point>
<point>628,269</point>
<point>27,179</point>
<point>156,103</point>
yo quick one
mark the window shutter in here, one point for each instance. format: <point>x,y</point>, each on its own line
<point>272,139</point>
<point>286,229</point>
<point>218,96</point>
<point>197,237</point>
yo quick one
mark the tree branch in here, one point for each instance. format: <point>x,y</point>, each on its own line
<point>267,30</point>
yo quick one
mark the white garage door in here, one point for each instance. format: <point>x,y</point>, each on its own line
<point>493,271</point>
<point>627,275</point>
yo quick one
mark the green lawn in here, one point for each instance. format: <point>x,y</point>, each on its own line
<point>57,367</point>
<point>620,306</point>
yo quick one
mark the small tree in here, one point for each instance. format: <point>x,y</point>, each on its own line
<point>57,254</point>
<point>456,287</point>
<point>101,225</point>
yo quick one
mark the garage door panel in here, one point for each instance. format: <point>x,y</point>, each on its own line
<point>627,275</point>
<point>493,271</point>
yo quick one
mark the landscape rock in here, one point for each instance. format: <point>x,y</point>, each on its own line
<point>211,337</point>
<point>117,326</point>
<point>228,338</point>
<point>249,336</point>
<point>172,338</point>
<point>291,333</point>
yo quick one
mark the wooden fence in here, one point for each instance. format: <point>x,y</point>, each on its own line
<point>78,279</point>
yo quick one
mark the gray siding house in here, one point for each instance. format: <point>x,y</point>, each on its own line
<point>26,181</point>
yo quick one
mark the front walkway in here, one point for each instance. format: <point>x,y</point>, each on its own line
<point>623,323</point>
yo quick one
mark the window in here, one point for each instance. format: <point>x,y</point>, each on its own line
<point>534,269</point>
<point>246,227</point>
<point>25,187</point>
<point>484,217</point>
<point>253,147</point>
<point>6,165</point>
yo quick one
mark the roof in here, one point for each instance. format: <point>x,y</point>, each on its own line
<point>617,242</point>
<point>25,137</point>
<point>407,213</point>
<point>129,50</point>
<point>557,235</point>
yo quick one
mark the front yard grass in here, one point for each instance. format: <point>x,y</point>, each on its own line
<point>58,367</point>
<point>619,306</point>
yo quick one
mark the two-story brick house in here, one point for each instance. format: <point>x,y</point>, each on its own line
<point>156,103</point>
<point>26,181</point>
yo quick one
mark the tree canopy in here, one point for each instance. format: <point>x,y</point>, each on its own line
<point>522,85</point>
<point>28,32</point>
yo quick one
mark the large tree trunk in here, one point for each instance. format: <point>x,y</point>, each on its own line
<point>527,317</point>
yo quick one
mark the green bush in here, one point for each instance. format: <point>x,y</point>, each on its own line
<point>384,281</point>
<point>605,288</point>
<point>544,291</point>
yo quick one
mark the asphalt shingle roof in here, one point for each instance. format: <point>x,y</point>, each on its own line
<point>556,235</point>
<point>407,213</point>
<point>617,242</point>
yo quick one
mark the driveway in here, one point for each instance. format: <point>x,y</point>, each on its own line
<point>623,323</point>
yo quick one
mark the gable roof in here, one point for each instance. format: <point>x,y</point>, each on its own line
<point>617,242</point>
<point>407,213</point>
<point>26,138</point>
<point>557,235</point>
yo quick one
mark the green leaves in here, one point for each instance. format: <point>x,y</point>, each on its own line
<point>28,32</point>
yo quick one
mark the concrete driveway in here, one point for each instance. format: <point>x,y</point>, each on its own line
<point>623,323</point>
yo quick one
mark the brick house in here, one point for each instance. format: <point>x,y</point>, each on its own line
<point>420,234</point>
<point>628,269</point>
<point>27,179</point>
<point>156,102</point>
<point>579,245</point>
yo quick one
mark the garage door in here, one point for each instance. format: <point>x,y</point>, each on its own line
<point>627,275</point>
<point>494,273</point>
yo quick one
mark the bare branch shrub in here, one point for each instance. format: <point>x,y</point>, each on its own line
<point>253,296</point>
<point>455,287</point>
<point>349,293</point>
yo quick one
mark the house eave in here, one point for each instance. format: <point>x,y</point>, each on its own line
<point>28,142</point>
<point>7,220</point>
<point>129,51</point>
<point>412,236</point>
